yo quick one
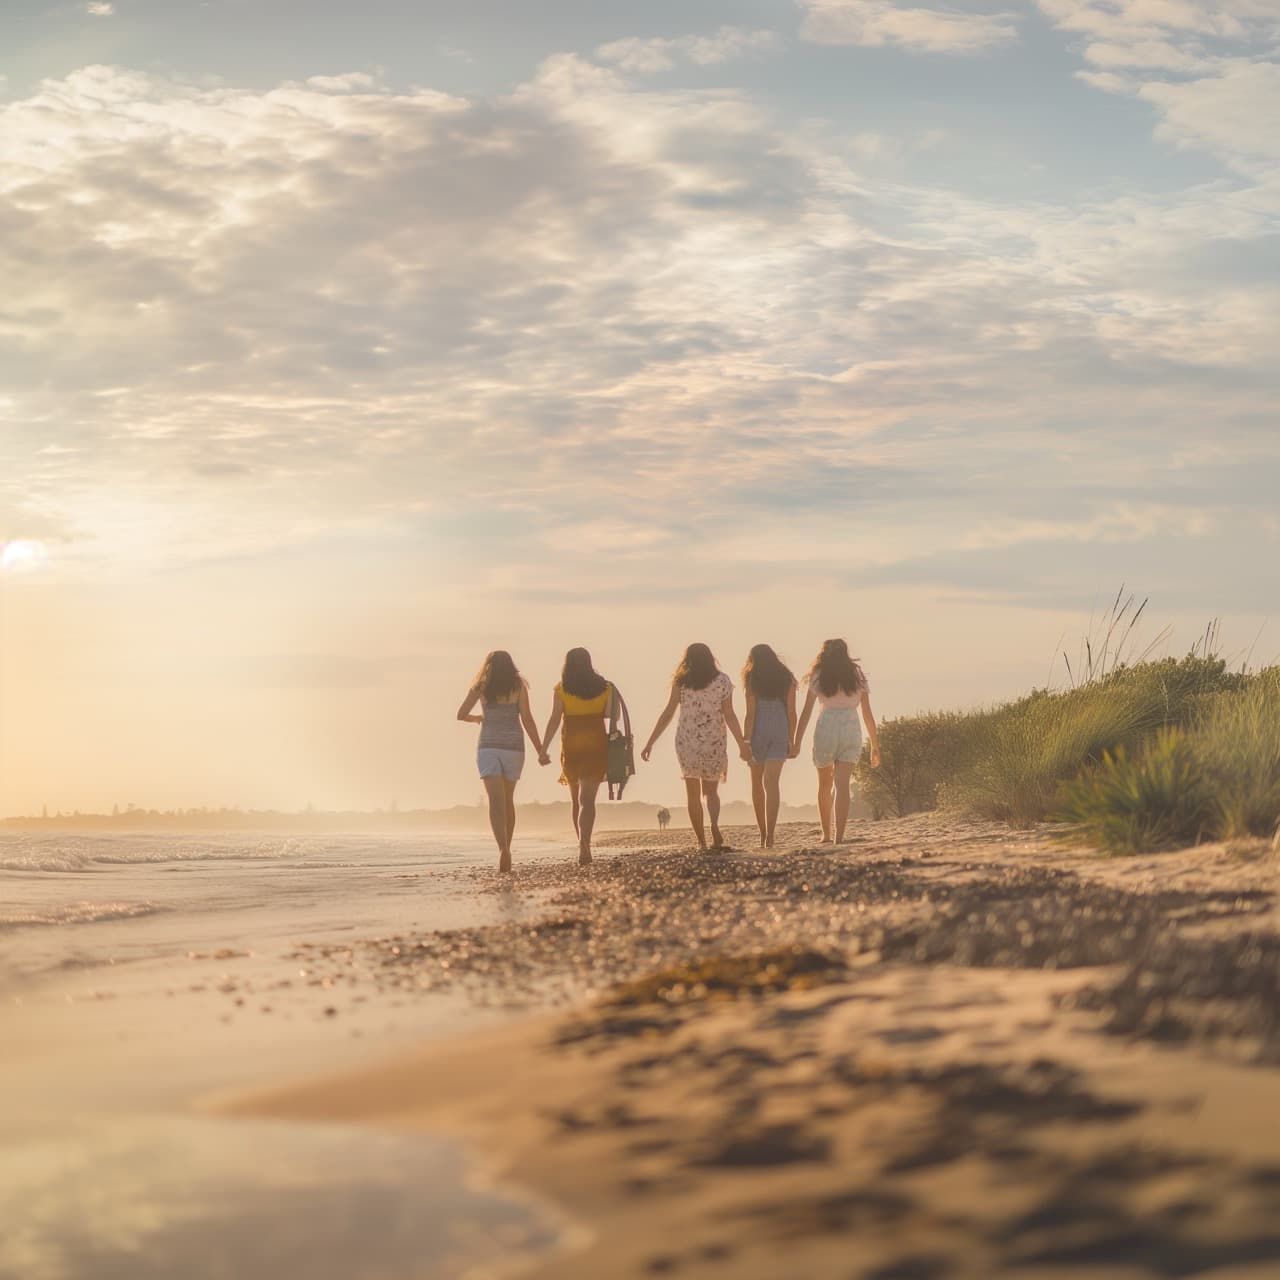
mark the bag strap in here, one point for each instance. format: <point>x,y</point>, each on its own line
<point>616,700</point>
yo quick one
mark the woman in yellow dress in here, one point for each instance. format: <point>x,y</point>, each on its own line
<point>582,701</point>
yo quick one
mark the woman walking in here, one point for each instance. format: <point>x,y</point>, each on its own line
<point>503,696</point>
<point>582,701</point>
<point>837,682</point>
<point>704,695</point>
<point>770,727</point>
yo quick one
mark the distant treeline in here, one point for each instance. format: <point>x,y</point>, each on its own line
<point>554,816</point>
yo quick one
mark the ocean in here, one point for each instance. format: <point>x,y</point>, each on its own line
<point>140,973</point>
<point>88,900</point>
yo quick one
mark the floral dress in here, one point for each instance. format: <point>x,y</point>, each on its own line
<point>700,734</point>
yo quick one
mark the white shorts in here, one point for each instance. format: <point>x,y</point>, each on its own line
<point>837,737</point>
<point>495,762</point>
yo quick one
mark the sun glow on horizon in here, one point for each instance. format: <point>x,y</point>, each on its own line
<point>23,555</point>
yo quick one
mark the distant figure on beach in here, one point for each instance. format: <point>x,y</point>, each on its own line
<point>582,701</point>
<point>664,819</point>
<point>704,695</point>
<point>837,682</point>
<point>770,727</point>
<point>503,695</point>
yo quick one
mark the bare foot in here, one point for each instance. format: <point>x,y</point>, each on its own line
<point>504,862</point>
<point>584,858</point>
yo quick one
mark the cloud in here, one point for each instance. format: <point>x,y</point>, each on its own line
<point>876,23</point>
<point>99,9</point>
<point>1176,36</point>
<point>1209,69</point>
<point>659,54</point>
<point>509,340</point>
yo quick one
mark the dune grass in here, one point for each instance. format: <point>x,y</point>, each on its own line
<point>1150,755</point>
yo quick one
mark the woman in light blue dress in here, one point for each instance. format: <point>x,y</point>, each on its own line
<point>770,727</point>
<point>837,683</point>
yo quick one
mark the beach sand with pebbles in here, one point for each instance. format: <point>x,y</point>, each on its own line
<point>941,1050</point>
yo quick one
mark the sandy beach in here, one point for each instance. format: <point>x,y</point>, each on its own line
<point>942,1049</point>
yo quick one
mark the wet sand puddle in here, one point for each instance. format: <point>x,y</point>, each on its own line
<point>160,1197</point>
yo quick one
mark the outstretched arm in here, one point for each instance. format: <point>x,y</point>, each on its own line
<point>553,723</point>
<point>464,711</point>
<point>731,719</point>
<point>870,722</point>
<point>663,720</point>
<point>810,699</point>
<point>526,719</point>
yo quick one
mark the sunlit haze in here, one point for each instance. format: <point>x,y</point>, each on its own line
<point>340,344</point>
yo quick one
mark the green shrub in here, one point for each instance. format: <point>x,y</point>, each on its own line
<point>1156,798</point>
<point>917,755</point>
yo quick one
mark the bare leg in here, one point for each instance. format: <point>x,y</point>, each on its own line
<point>573,800</point>
<point>824,802</point>
<point>773,797</point>
<point>693,791</point>
<point>711,793</point>
<point>587,818</point>
<point>497,792</point>
<point>844,773</point>
<point>757,800</point>
<point>511,812</point>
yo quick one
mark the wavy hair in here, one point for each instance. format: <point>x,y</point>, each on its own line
<point>765,675</point>
<point>697,668</point>
<point>834,671</point>
<point>498,677</point>
<point>579,677</point>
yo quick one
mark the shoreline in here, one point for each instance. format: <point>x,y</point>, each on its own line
<point>1008,1056</point>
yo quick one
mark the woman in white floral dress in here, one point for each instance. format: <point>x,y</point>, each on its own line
<point>704,696</point>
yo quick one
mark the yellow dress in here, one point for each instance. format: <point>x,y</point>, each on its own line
<point>584,751</point>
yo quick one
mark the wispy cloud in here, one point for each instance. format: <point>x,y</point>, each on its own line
<point>100,9</point>
<point>875,23</point>
<point>662,54</point>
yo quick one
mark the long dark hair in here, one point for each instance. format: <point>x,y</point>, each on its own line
<point>497,678</point>
<point>579,677</point>
<point>697,668</point>
<point>765,674</point>
<point>834,671</point>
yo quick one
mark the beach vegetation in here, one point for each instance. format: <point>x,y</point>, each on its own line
<point>1134,756</point>
<point>1137,802</point>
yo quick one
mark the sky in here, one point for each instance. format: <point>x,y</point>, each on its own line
<point>341,343</point>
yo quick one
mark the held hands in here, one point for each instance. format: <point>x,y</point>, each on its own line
<point>744,750</point>
<point>875,756</point>
<point>543,758</point>
<point>793,751</point>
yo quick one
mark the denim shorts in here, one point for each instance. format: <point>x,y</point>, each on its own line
<point>837,737</point>
<point>495,762</point>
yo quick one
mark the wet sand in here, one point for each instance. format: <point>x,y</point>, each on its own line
<point>943,1049</point>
